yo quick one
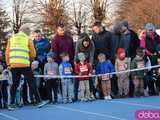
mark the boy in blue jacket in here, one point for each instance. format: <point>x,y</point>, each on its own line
<point>65,69</point>
<point>105,66</point>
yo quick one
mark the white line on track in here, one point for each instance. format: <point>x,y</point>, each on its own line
<point>8,116</point>
<point>90,113</point>
<point>137,104</point>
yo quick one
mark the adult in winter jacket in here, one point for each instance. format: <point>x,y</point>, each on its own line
<point>42,47</point>
<point>85,45</point>
<point>131,41</point>
<point>102,40</point>
<point>62,43</point>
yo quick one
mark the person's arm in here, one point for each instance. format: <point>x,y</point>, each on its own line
<point>45,69</point>
<point>112,69</point>
<point>91,57</point>
<point>60,70</point>
<point>32,51</point>
<point>7,53</point>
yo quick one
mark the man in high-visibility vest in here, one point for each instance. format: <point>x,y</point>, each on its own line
<point>20,50</point>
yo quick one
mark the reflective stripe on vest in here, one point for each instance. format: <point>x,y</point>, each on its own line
<point>19,51</point>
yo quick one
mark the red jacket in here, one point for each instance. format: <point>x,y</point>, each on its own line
<point>62,44</point>
<point>83,69</point>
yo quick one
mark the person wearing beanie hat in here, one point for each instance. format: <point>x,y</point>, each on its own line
<point>104,66</point>
<point>85,45</point>
<point>83,68</point>
<point>51,69</point>
<point>131,41</point>
<point>65,69</point>
<point>51,55</point>
<point>151,39</point>
<point>150,27</point>
<point>36,71</point>
<point>122,64</point>
<point>138,76</point>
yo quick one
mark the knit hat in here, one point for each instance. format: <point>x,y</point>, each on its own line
<point>124,23</point>
<point>35,63</point>
<point>81,56</point>
<point>120,50</point>
<point>140,52</point>
<point>150,26</point>
<point>51,55</point>
<point>119,53</point>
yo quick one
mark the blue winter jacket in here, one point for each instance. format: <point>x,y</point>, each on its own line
<point>104,67</point>
<point>42,48</point>
<point>65,68</point>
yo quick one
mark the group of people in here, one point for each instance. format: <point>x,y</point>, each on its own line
<point>92,68</point>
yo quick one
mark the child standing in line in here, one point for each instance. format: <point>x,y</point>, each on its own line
<point>122,64</point>
<point>36,71</point>
<point>83,68</point>
<point>103,67</point>
<point>138,76</point>
<point>51,68</point>
<point>65,69</point>
<point>5,81</point>
<point>18,99</point>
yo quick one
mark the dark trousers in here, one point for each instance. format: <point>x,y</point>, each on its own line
<point>52,85</point>
<point>76,86</point>
<point>149,82</point>
<point>16,74</point>
<point>25,92</point>
<point>3,92</point>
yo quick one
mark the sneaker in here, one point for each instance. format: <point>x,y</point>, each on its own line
<point>41,104</point>
<point>84,100</point>
<point>106,97</point>
<point>70,101</point>
<point>109,97</point>
<point>146,93</point>
<point>11,107</point>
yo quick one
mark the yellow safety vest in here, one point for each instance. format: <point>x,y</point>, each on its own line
<point>19,51</point>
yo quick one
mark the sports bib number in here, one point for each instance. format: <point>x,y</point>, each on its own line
<point>140,64</point>
<point>67,70</point>
<point>105,77</point>
<point>83,68</point>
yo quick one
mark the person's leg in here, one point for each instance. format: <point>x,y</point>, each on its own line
<point>136,86</point>
<point>27,72</point>
<point>55,89</point>
<point>87,89</point>
<point>76,86</point>
<point>104,88</point>
<point>126,86</point>
<point>100,89</point>
<point>141,87</point>
<point>0,94</point>
<point>16,73</point>
<point>108,87</point>
<point>82,90</point>
<point>120,85</point>
<point>49,89</point>
<point>5,93</point>
<point>64,90</point>
<point>25,93</point>
<point>70,90</point>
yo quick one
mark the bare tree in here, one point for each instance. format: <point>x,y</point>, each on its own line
<point>20,8</point>
<point>138,12</point>
<point>79,16</point>
<point>53,13</point>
